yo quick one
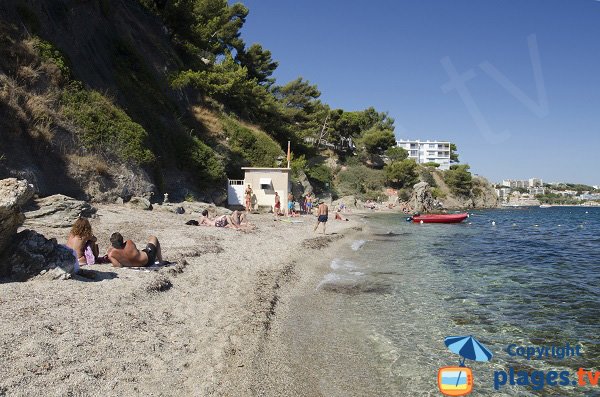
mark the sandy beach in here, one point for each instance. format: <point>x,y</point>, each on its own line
<point>191,329</point>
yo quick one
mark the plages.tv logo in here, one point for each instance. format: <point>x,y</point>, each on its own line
<point>458,380</point>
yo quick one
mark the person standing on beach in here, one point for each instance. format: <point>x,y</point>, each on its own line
<point>308,202</point>
<point>322,213</point>
<point>248,197</point>
<point>290,211</point>
<point>277,207</point>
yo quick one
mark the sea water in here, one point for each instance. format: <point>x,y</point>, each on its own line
<point>381,311</point>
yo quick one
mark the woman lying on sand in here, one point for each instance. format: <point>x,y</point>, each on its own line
<point>237,220</point>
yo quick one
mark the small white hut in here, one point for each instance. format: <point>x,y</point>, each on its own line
<point>264,183</point>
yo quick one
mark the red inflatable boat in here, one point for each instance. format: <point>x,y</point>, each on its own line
<point>440,218</point>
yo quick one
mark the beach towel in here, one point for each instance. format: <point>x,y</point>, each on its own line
<point>88,252</point>
<point>291,221</point>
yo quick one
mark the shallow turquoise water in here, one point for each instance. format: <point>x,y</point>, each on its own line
<point>533,278</point>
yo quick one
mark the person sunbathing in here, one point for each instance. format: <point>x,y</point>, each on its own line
<point>237,220</point>
<point>339,217</point>
<point>83,242</point>
<point>126,254</point>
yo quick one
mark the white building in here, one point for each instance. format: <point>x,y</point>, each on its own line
<point>503,193</point>
<point>534,191</point>
<point>535,182</point>
<point>525,183</point>
<point>264,183</point>
<point>427,151</point>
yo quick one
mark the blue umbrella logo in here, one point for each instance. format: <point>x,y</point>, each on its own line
<point>451,379</point>
<point>468,348</point>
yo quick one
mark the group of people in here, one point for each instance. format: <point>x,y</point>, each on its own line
<point>306,205</point>
<point>121,253</point>
<point>124,253</point>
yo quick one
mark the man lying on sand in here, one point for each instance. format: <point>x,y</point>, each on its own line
<point>127,255</point>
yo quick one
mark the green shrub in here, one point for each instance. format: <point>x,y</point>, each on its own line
<point>376,141</point>
<point>258,148</point>
<point>431,164</point>
<point>297,164</point>
<point>203,162</point>
<point>437,193</point>
<point>426,176</point>
<point>103,127</point>
<point>359,180</point>
<point>459,179</point>
<point>396,153</point>
<point>320,177</point>
<point>401,174</point>
<point>49,53</point>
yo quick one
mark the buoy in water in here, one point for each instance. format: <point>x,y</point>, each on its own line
<point>493,223</point>
<point>421,222</point>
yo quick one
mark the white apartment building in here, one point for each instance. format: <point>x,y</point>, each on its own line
<point>535,182</point>
<point>427,151</point>
<point>531,182</point>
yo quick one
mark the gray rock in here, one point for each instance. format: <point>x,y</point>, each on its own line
<point>58,211</point>
<point>169,207</point>
<point>349,202</point>
<point>140,203</point>
<point>219,197</point>
<point>119,201</point>
<point>421,199</point>
<point>13,195</point>
<point>32,254</point>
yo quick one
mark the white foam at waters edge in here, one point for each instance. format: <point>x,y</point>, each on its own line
<point>356,245</point>
<point>340,264</point>
<point>329,278</point>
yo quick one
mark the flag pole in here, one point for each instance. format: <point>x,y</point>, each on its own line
<point>288,155</point>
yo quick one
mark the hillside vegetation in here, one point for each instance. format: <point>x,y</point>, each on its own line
<point>105,99</point>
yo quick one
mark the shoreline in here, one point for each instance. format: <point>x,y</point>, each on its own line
<point>118,334</point>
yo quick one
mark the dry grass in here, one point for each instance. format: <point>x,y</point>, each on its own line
<point>28,73</point>
<point>43,130</point>
<point>209,119</point>
<point>90,163</point>
<point>39,107</point>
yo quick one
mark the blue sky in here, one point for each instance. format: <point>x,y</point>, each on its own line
<point>530,106</point>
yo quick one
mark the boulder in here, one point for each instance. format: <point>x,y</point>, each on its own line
<point>305,186</point>
<point>174,208</point>
<point>140,203</point>
<point>421,199</point>
<point>13,195</point>
<point>32,255</point>
<point>57,211</point>
<point>349,201</point>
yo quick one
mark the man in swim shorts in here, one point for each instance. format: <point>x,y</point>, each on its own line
<point>322,214</point>
<point>290,204</point>
<point>126,254</point>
